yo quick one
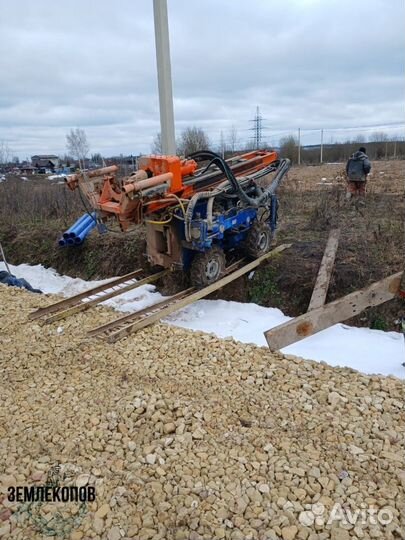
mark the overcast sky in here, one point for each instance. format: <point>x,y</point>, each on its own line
<point>91,64</point>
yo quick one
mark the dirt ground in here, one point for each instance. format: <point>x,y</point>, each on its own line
<point>34,213</point>
<point>371,246</point>
<point>385,177</point>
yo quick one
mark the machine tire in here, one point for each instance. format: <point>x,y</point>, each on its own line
<point>258,240</point>
<point>207,267</point>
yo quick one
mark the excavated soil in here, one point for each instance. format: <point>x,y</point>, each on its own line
<point>186,436</point>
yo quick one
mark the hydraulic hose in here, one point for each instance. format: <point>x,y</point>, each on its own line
<point>236,187</point>
<point>221,164</point>
<point>190,209</point>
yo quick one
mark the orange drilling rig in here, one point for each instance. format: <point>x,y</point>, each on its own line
<point>193,215</point>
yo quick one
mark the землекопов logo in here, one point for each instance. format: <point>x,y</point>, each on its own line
<point>51,494</point>
<point>56,508</point>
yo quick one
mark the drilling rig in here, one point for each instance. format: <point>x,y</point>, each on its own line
<point>195,209</point>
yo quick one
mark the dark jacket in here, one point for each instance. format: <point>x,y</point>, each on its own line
<point>358,167</point>
<point>11,280</point>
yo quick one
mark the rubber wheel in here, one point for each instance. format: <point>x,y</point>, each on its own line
<point>258,240</point>
<point>207,267</point>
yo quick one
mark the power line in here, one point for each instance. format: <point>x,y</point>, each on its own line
<point>386,125</point>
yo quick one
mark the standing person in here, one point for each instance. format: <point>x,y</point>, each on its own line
<point>357,169</point>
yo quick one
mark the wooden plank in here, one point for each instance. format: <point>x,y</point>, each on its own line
<point>325,271</point>
<point>4,259</point>
<point>114,336</point>
<point>133,317</point>
<point>66,302</point>
<point>86,305</point>
<point>332,313</point>
<point>137,315</point>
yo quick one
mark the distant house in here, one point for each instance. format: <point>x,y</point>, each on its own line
<point>50,162</point>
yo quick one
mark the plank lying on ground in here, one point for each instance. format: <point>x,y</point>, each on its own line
<point>132,317</point>
<point>105,296</point>
<point>66,302</point>
<point>154,317</point>
<point>123,321</point>
<point>330,314</point>
<point>325,271</point>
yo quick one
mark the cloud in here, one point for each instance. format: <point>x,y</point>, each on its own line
<point>306,63</point>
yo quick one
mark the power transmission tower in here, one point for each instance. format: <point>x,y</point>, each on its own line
<point>257,129</point>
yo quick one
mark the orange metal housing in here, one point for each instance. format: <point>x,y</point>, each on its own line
<point>169,164</point>
<point>165,178</point>
<point>135,196</point>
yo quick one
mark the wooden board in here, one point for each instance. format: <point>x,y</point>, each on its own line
<point>66,302</point>
<point>154,317</point>
<point>132,317</point>
<point>334,312</point>
<point>122,322</point>
<point>325,271</point>
<point>104,295</point>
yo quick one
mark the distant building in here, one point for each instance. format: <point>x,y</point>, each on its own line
<point>50,162</point>
<point>26,169</point>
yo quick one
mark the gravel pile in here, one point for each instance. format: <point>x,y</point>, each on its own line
<point>186,436</point>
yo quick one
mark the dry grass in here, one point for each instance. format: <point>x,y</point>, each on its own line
<point>386,177</point>
<point>37,201</point>
<point>371,247</point>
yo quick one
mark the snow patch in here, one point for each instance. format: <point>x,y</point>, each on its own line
<point>363,349</point>
<point>56,176</point>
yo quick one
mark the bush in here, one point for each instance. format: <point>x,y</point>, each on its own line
<point>263,287</point>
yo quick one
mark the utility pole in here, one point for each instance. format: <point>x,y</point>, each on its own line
<point>321,160</point>
<point>164,77</point>
<point>299,146</point>
<point>222,144</point>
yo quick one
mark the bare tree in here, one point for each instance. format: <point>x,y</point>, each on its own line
<point>192,140</point>
<point>157,144</point>
<point>222,145</point>
<point>5,153</point>
<point>378,136</point>
<point>288,147</point>
<point>68,160</point>
<point>381,146</point>
<point>233,139</point>
<point>249,146</point>
<point>97,158</point>
<point>77,145</point>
